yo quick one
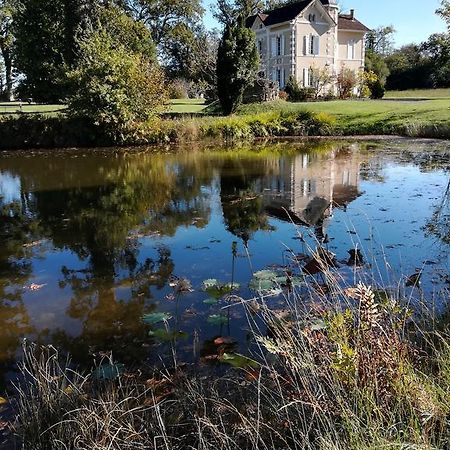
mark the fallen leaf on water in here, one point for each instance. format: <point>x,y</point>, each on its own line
<point>35,287</point>
<point>238,361</point>
<point>224,341</point>
<point>3,401</point>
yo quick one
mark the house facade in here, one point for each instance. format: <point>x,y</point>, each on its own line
<point>302,37</point>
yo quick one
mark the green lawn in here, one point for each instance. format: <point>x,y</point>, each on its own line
<point>419,93</point>
<point>15,107</point>
<point>187,106</point>
<point>359,113</point>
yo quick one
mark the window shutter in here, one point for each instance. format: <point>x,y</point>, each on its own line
<point>316,45</point>
<point>283,44</point>
<point>274,75</point>
<point>273,45</point>
<point>305,45</point>
<point>306,77</point>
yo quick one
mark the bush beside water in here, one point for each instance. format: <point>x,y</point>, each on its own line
<point>41,131</point>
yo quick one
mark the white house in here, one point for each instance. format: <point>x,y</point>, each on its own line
<point>307,35</point>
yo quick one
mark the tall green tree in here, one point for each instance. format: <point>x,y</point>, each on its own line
<point>376,63</point>
<point>6,44</point>
<point>444,12</point>
<point>41,49</point>
<point>237,65</point>
<point>174,25</point>
<point>117,83</point>
<point>381,40</point>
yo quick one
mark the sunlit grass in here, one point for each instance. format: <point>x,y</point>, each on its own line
<point>18,108</point>
<point>419,93</point>
<point>187,106</point>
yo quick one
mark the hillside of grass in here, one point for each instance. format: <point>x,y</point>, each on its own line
<point>419,93</point>
<point>369,116</point>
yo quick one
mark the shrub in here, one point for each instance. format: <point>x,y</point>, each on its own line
<point>346,82</point>
<point>294,92</point>
<point>283,95</point>
<point>377,90</point>
<point>115,87</point>
<point>178,89</point>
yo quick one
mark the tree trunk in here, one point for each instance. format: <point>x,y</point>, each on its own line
<point>6,53</point>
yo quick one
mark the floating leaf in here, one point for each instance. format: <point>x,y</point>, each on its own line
<point>151,319</point>
<point>3,401</point>
<point>267,280</point>
<point>218,290</point>
<point>210,283</point>
<point>217,319</point>
<point>238,361</point>
<point>318,325</point>
<point>108,371</point>
<point>166,335</point>
<point>265,275</point>
<point>224,341</point>
<point>257,284</point>
<point>211,301</point>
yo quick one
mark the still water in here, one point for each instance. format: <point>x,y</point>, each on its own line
<point>91,241</point>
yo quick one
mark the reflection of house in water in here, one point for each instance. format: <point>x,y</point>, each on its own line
<point>309,186</point>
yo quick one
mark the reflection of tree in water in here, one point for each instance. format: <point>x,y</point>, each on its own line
<point>112,292</point>
<point>439,224</point>
<point>110,322</point>
<point>16,228</point>
<point>243,208</point>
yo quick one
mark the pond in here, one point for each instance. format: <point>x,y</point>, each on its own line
<point>95,246</point>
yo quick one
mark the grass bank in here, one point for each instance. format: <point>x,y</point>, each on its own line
<point>425,119</point>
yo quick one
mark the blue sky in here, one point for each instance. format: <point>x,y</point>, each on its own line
<point>414,20</point>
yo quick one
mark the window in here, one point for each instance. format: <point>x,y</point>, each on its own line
<point>351,49</point>
<point>311,45</point>
<point>279,49</point>
<point>312,18</point>
<point>260,47</point>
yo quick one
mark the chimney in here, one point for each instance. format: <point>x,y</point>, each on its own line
<point>352,14</point>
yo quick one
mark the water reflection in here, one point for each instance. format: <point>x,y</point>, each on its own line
<point>100,235</point>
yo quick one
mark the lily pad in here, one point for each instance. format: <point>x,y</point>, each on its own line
<point>153,318</point>
<point>217,319</point>
<point>211,301</point>
<point>108,371</point>
<point>238,361</point>
<point>217,289</point>
<point>318,325</point>
<point>164,335</point>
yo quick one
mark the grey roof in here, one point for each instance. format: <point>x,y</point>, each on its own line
<point>291,11</point>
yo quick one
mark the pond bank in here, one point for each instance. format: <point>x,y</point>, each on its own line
<point>62,132</point>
